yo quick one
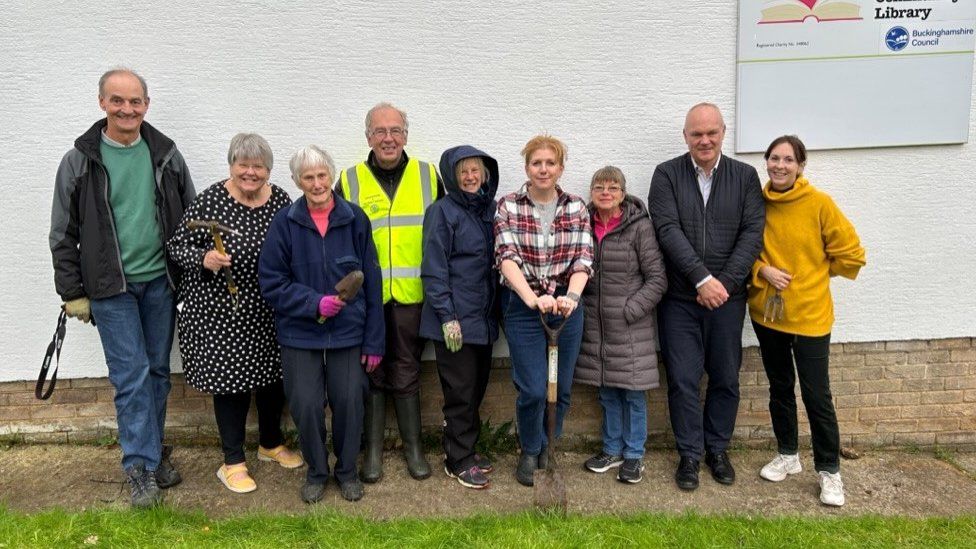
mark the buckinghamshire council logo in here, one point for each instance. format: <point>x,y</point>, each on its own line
<point>896,39</point>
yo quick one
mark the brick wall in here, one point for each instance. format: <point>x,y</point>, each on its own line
<point>886,393</point>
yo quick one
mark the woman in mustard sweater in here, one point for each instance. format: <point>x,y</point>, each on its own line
<point>807,240</point>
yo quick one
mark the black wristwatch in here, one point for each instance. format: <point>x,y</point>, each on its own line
<point>573,295</point>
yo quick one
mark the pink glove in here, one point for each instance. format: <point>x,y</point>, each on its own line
<point>330,305</point>
<point>371,362</point>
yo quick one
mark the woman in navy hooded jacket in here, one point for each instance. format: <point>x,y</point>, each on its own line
<point>326,343</point>
<point>459,314</point>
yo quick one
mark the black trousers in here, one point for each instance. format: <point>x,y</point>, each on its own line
<point>812,356</point>
<point>399,372</point>
<point>313,379</point>
<point>695,342</point>
<point>464,379</point>
<point>231,413</point>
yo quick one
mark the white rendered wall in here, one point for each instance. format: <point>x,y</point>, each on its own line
<point>613,81</point>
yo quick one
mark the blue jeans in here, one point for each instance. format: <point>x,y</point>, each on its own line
<point>528,349</point>
<point>624,422</point>
<point>136,329</point>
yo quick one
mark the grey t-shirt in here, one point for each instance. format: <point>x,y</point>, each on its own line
<point>547,213</point>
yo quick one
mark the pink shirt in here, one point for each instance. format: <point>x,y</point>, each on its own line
<point>600,229</point>
<point>321,217</point>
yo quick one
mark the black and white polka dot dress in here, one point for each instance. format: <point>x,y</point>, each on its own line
<point>223,350</point>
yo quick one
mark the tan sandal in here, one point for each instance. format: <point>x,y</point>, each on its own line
<point>282,455</point>
<point>236,478</point>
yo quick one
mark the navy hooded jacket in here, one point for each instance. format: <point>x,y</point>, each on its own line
<point>298,267</point>
<point>460,282</point>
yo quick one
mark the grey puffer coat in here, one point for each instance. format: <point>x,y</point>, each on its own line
<point>618,348</point>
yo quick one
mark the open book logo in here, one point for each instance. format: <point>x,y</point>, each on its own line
<point>797,11</point>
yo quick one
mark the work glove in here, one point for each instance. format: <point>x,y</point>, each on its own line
<point>329,306</point>
<point>452,335</point>
<point>79,308</point>
<point>371,362</point>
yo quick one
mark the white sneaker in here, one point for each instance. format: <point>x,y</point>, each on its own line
<point>831,489</point>
<point>782,465</point>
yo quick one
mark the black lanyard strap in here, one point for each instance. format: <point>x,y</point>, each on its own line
<point>53,351</point>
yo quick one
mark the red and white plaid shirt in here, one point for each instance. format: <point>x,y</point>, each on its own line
<point>519,236</point>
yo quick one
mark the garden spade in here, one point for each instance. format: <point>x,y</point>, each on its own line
<point>347,288</point>
<point>548,487</point>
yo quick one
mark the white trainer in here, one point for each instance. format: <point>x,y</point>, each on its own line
<point>782,465</point>
<point>831,489</point>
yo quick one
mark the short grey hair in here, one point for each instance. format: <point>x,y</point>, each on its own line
<point>121,70</point>
<point>610,173</point>
<point>481,163</point>
<point>381,106</point>
<point>307,157</point>
<point>250,146</point>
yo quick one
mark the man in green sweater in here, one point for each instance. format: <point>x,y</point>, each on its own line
<point>119,195</point>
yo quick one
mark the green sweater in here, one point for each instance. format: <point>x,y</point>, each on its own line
<point>132,194</point>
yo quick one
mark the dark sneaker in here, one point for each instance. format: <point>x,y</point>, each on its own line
<point>526,468</point>
<point>312,493</point>
<point>686,476</point>
<point>602,462</point>
<point>472,477</point>
<point>166,475</point>
<point>352,490</point>
<point>631,471</point>
<point>144,491</point>
<point>722,470</point>
<point>483,464</point>
<point>543,459</point>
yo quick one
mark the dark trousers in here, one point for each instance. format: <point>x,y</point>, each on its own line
<point>231,413</point>
<point>464,378</point>
<point>812,356</point>
<point>399,372</point>
<point>695,342</point>
<point>313,379</point>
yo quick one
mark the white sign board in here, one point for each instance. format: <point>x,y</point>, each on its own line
<point>854,73</point>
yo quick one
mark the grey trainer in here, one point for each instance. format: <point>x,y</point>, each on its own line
<point>144,491</point>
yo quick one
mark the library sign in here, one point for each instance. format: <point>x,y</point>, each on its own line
<point>822,68</point>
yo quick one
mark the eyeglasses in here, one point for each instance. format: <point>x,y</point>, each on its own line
<point>395,133</point>
<point>612,189</point>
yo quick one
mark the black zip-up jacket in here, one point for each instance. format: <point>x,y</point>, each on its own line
<point>722,238</point>
<point>84,244</point>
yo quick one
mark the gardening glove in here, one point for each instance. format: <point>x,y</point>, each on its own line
<point>370,361</point>
<point>329,306</point>
<point>79,308</point>
<point>452,335</point>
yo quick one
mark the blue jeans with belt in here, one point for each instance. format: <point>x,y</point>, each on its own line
<point>527,346</point>
<point>136,329</point>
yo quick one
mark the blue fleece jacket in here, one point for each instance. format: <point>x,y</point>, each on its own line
<point>460,282</point>
<point>298,267</point>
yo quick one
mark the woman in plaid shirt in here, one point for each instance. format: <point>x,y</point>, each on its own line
<point>544,251</point>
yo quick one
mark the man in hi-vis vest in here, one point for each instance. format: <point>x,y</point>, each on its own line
<point>394,191</point>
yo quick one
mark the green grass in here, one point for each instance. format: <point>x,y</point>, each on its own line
<point>171,529</point>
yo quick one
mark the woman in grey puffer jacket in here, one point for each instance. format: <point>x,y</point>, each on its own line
<point>618,349</point>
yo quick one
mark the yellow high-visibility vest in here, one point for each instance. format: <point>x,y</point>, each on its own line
<point>398,226</point>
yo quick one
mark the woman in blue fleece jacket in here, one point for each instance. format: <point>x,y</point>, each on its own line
<point>327,345</point>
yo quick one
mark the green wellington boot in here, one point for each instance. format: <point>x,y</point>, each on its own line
<point>408,420</point>
<point>375,427</point>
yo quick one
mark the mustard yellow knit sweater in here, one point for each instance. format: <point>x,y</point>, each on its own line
<point>806,235</point>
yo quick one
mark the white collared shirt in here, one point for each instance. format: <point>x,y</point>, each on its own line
<point>705,184</point>
<point>705,179</point>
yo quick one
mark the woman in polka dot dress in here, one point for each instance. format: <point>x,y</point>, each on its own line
<point>232,351</point>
